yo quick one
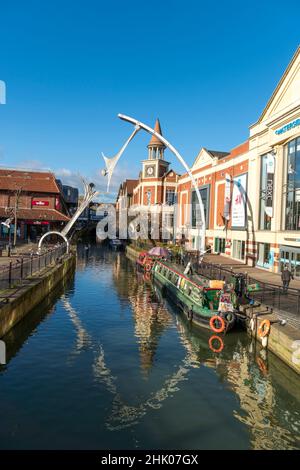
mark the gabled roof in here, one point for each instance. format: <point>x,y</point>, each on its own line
<point>217,153</point>
<point>168,172</point>
<point>281,81</point>
<point>33,181</point>
<point>131,184</point>
<point>207,156</point>
<point>38,214</point>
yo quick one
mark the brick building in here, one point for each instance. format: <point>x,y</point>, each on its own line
<point>215,172</point>
<point>251,194</point>
<point>155,190</point>
<point>39,201</point>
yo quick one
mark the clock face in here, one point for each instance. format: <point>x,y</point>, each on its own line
<point>150,170</point>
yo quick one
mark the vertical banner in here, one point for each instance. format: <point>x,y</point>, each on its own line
<point>227,197</point>
<point>270,185</point>
<point>238,207</point>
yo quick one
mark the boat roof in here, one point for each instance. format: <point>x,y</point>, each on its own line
<point>193,279</point>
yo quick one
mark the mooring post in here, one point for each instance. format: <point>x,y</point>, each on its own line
<point>10,274</point>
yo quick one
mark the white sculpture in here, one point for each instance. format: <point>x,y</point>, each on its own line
<point>111,164</point>
<point>89,193</point>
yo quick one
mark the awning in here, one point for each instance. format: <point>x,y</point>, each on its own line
<point>48,215</point>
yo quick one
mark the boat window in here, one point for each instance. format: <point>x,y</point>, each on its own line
<point>195,292</point>
<point>176,277</point>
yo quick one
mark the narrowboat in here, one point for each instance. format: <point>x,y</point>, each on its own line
<point>207,303</point>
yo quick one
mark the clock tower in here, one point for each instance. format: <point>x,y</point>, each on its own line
<point>155,166</point>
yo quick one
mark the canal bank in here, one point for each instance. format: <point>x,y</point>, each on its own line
<point>283,337</point>
<point>132,252</point>
<point>273,333</point>
<point>19,301</point>
<point>109,364</point>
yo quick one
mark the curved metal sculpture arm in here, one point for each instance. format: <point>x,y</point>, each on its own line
<point>182,161</point>
<point>53,232</point>
<point>89,193</point>
<point>110,163</point>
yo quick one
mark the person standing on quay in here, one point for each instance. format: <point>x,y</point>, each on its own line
<point>286,277</point>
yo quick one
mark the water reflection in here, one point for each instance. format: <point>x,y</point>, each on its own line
<point>110,317</point>
<point>261,402</point>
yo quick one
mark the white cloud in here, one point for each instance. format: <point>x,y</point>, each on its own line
<point>74,178</point>
<point>32,165</point>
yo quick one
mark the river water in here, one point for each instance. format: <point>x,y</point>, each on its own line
<point>106,363</point>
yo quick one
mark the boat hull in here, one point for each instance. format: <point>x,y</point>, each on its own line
<point>198,314</point>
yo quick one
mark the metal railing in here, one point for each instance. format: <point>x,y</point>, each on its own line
<point>28,264</point>
<point>275,296</point>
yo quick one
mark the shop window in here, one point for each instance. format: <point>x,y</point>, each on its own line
<point>170,197</point>
<point>196,215</point>
<point>238,249</point>
<point>266,192</point>
<point>292,186</point>
<point>220,245</point>
<point>264,255</point>
<point>290,257</point>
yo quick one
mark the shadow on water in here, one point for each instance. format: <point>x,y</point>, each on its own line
<point>27,327</point>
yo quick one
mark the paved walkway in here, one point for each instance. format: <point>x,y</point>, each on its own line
<point>286,307</point>
<point>257,273</point>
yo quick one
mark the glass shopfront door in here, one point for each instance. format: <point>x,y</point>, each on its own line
<point>290,256</point>
<point>219,245</point>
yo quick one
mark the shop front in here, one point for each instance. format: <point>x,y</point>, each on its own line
<point>274,192</point>
<point>34,229</point>
<point>290,257</point>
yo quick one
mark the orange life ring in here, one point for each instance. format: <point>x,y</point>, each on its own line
<point>264,328</point>
<point>262,366</point>
<point>147,276</point>
<point>148,267</point>
<point>212,324</point>
<point>210,343</point>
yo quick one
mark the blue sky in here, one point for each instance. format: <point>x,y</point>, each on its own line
<point>205,69</point>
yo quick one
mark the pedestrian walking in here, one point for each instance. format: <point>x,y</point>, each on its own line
<point>286,277</point>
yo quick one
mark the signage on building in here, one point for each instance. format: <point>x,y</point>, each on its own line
<point>288,127</point>
<point>238,206</point>
<point>227,197</point>
<point>270,185</point>
<point>38,202</point>
<point>36,222</point>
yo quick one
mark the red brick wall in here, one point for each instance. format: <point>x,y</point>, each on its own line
<point>25,200</point>
<point>146,189</point>
<point>220,204</point>
<point>183,208</point>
